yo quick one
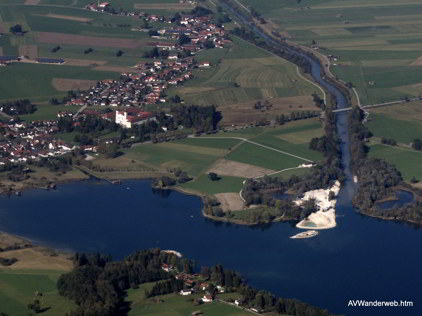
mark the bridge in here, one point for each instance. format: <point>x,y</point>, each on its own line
<point>365,107</point>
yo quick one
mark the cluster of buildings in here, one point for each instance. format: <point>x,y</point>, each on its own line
<point>146,86</point>
<point>193,284</point>
<point>199,30</point>
<point>30,141</point>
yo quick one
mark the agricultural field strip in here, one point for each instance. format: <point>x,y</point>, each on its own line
<point>373,142</point>
<point>264,146</point>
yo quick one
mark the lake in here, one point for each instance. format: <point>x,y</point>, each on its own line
<point>362,258</point>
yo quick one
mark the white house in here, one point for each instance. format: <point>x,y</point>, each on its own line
<point>185,292</point>
<point>130,117</point>
<point>207,298</point>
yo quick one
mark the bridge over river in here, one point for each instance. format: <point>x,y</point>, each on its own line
<point>365,107</point>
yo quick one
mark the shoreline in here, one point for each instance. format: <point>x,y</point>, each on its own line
<point>300,224</point>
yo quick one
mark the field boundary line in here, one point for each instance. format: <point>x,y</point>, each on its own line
<point>238,2</point>
<point>357,96</point>
<point>261,145</point>
<point>373,142</point>
<point>280,171</point>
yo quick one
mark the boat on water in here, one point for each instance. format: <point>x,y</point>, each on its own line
<point>305,234</point>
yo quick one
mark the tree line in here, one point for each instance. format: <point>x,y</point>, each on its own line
<point>98,285</point>
<point>18,107</point>
<point>378,179</point>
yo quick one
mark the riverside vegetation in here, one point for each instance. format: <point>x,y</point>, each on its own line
<point>98,285</point>
<point>378,179</point>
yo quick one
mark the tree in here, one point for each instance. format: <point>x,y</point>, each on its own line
<point>54,101</point>
<point>144,24</point>
<point>175,99</point>
<point>16,29</point>
<point>109,150</point>
<point>417,144</point>
<point>119,53</point>
<point>184,39</point>
<point>213,176</point>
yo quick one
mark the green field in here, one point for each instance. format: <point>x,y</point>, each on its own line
<point>224,185</point>
<point>34,81</point>
<point>403,131</point>
<point>47,112</point>
<point>258,75</point>
<point>401,122</point>
<point>262,157</point>
<point>176,305</point>
<point>197,155</point>
<point>408,162</point>
<point>17,289</point>
<point>164,157</point>
<point>375,40</point>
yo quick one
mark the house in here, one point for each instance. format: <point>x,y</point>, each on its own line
<point>207,298</point>
<point>185,292</point>
<point>203,286</point>
<point>103,5</point>
<point>205,64</point>
<point>166,267</point>
<point>239,301</point>
<point>220,289</point>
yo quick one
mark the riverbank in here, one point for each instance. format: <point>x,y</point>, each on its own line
<point>30,255</point>
<point>39,178</point>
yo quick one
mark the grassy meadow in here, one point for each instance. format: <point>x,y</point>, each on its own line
<point>17,289</point>
<point>176,305</point>
<point>401,122</point>
<point>34,81</point>
<point>198,155</point>
<point>244,73</point>
<point>408,162</point>
<point>378,42</point>
<point>37,269</point>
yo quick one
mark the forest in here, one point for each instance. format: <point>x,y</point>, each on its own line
<point>378,179</point>
<point>97,284</point>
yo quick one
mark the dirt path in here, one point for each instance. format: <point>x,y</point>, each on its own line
<point>32,2</point>
<point>238,169</point>
<point>263,146</point>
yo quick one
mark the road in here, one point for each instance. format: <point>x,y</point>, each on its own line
<point>377,105</point>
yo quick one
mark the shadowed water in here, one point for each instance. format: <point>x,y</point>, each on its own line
<point>362,258</point>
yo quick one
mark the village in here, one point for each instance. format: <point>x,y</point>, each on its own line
<point>30,141</point>
<point>171,63</point>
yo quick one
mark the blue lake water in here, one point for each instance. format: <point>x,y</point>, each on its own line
<point>402,198</point>
<point>362,258</point>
